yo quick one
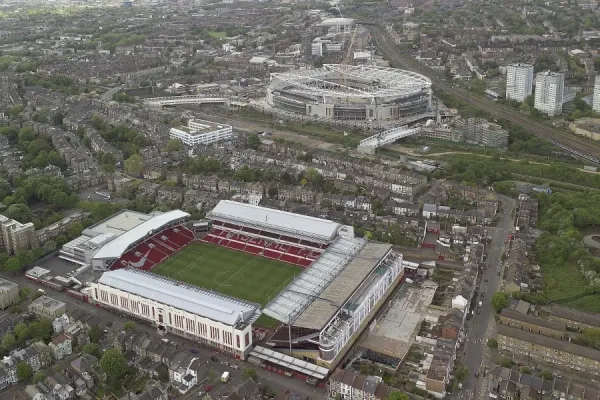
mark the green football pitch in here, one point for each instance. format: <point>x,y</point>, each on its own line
<point>230,272</point>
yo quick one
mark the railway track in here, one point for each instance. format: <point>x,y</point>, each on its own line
<point>576,146</point>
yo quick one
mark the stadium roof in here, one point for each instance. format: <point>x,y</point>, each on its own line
<point>323,308</point>
<point>116,247</point>
<point>189,298</point>
<point>117,224</point>
<point>311,283</point>
<point>275,220</point>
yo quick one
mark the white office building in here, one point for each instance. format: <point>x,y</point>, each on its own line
<point>596,101</point>
<point>199,132</point>
<point>519,81</point>
<point>173,306</point>
<point>549,88</point>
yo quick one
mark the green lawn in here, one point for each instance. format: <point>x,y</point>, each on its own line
<point>230,272</point>
<point>217,34</point>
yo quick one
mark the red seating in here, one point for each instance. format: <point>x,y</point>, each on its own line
<point>271,254</point>
<point>304,262</point>
<point>250,240</point>
<point>252,249</point>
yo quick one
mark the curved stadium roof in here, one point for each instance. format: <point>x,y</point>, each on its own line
<point>116,247</point>
<point>337,80</point>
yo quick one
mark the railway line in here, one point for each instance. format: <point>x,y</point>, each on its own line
<point>576,146</point>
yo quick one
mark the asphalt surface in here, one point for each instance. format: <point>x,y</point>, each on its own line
<point>480,326</point>
<point>275,381</point>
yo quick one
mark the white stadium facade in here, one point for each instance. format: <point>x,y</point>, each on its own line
<point>197,314</point>
<point>350,92</point>
<point>343,282</point>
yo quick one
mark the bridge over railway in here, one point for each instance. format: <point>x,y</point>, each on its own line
<point>371,143</point>
<point>193,99</point>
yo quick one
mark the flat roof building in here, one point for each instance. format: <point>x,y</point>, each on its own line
<point>549,91</point>
<point>519,81</point>
<point>15,236</point>
<point>200,132</point>
<point>9,293</point>
<point>185,310</point>
<point>48,307</point>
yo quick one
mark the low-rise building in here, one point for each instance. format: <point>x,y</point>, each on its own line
<point>48,307</point>
<point>522,344</point>
<point>575,319</point>
<point>529,323</point>
<point>60,346</point>
<point>199,132</point>
<point>349,385</point>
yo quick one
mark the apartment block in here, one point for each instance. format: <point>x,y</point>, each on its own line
<point>519,81</point>
<point>596,100</point>
<point>481,132</point>
<point>48,307</point>
<point>16,236</point>
<point>9,293</point>
<point>199,132</point>
<point>538,348</point>
<point>549,90</point>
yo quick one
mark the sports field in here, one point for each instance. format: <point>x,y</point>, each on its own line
<point>230,272</point>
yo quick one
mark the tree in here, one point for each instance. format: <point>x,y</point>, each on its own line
<point>25,293</point>
<point>113,363</point>
<point>173,145</point>
<point>526,370</point>
<point>397,395</point>
<point>4,188</point>
<point>20,331</point>
<point>41,330</point>
<point>492,343</point>
<point>19,212</point>
<point>461,372</point>
<point>38,377</point>
<point>24,371</point>
<point>272,191</point>
<point>95,334</point>
<point>499,301</point>
<point>75,229</point>
<point>547,375</point>
<point>134,165</point>
<point>49,246</point>
<point>93,349</point>
<point>505,362</point>
<point>57,119</point>
<point>250,373</point>
<point>129,326</point>
<point>253,141</point>
<point>8,341</point>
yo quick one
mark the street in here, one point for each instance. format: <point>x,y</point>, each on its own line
<point>275,381</point>
<point>479,328</point>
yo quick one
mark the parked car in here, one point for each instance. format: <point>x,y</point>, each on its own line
<point>235,366</point>
<point>224,363</point>
<point>213,358</point>
<point>207,388</point>
<point>193,351</point>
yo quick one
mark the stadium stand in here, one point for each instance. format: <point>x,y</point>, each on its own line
<point>278,235</point>
<point>130,239</point>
